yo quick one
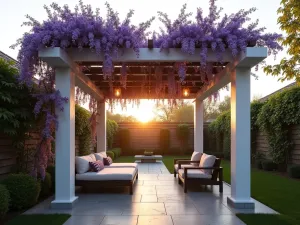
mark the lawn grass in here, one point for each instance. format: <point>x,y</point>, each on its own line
<point>53,219</point>
<point>264,219</point>
<point>124,159</point>
<point>277,192</point>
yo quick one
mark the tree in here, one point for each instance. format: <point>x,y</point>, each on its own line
<point>289,20</point>
<point>120,118</point>
<point>164,112</point>
<point>213,109</point>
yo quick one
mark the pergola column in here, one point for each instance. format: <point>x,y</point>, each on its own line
<point>101,127</point>
<point>240,139</point>
<point>198,125</point>
<point>65,142</point>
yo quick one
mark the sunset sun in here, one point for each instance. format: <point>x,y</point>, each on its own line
<point>144,113</point>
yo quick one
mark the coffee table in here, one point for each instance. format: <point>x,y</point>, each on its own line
<point>148,159</point>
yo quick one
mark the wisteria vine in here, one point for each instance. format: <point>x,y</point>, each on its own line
<point>84,28</point>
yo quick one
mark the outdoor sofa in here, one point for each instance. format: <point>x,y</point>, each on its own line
<point>114,175</point>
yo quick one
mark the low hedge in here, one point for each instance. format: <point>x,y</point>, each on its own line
<point>110,154</point>
<point>23,189</point>
<point>116,151</point>
<point>268,165</point>
<point>294,171</point>
<point>4,200</point>
<point>46,185</point>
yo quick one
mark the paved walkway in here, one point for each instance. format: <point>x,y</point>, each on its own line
<point>158,199</point>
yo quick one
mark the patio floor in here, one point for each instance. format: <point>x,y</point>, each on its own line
<point>158,199</point>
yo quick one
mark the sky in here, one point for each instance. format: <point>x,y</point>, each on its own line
<point>12,15</point>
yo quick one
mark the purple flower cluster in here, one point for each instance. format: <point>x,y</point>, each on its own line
<point>214,33</point>
<point>81,29</point>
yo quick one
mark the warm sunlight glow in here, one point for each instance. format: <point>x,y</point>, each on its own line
<point>144,113</point>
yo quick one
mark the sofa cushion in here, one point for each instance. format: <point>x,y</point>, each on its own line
<point>194,174</point>
<point>107,161</point>
<point>97,166</point>
<point>98,156</point>
<point>82,163</point>
<point>207,161</point>
<point>196,156</point>
<point>124,165</point>
<point>109,174</point>
<point>104,155</point>
<point>183,166</point>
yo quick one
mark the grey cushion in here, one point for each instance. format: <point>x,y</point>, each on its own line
<point>108,174</point>
<point>207,161</point>
<point>124,165</point>
<point>82,163</point>
<point>196,156</point>
<point>194,174</point>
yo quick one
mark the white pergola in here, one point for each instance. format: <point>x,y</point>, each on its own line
<point>237,72</point>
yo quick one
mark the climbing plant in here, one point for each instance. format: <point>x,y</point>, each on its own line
<point>275,118</point>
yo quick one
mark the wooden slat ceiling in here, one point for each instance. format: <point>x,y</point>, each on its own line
<point>141,79</point>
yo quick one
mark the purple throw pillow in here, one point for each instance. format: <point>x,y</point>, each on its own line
<point>96,166</point>
<point>107,161</point>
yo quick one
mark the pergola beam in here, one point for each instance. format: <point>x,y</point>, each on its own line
<point>58,58</point>
<point>249,58</point>
<point>154,55</point>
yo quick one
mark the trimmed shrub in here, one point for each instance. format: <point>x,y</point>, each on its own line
<point>268,165</point>
<point>294,171</point>
<point>24,190</point>
<point>124,136</point>
<point>51,171</point>
<point>46,185</point>
<point>4,200</point>
<point>183,133</point>
<point>164,140</point>
<point>116,151</point>
<point>110,154</point>
<point>111,130</point>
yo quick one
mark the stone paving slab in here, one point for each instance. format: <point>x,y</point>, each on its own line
<point>158,199</point>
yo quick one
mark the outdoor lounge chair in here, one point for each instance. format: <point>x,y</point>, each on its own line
<point>187,163</point>
<point>193,176</point>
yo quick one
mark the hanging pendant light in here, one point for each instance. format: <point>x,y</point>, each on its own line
<point>186,92</point>
<point>117,92</point>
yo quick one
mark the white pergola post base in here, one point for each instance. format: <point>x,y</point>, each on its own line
<point>198,125</point>
<point>240,139</point>
<point>65,142</point>
<point>101,127</point>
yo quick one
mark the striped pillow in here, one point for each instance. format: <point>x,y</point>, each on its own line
<point>96,166</point>
<point>107,161</point>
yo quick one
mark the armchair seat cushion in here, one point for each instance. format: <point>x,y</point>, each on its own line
<point>194,174</point>
<point>183,166</point>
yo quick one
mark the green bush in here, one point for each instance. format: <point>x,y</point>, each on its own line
<point>51,171</point>
<point>268,165</point>
<point>183,134</point>
<point>46,185</point>
<point>4,200</point>
<point>111,130</point>
<point>124,136</point>
<point>164,140</point>
<point>116,151</point>
<point>294,171</point>
<point>83,130</point>
<point>110,154</point>
<point>24,190</point>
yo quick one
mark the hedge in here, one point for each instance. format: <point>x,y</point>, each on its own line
<point>116,151</point>
<point>4,200</point>
<point>164,140</point>
<point>111,130</point>
<point>110,154</point>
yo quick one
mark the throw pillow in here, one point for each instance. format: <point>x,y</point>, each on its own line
<point>107,161</point>
<point>196,156</point>
<point>96,166</point>
<point>98,156</point>
<point>82,163</point>
<point>207,161</point>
